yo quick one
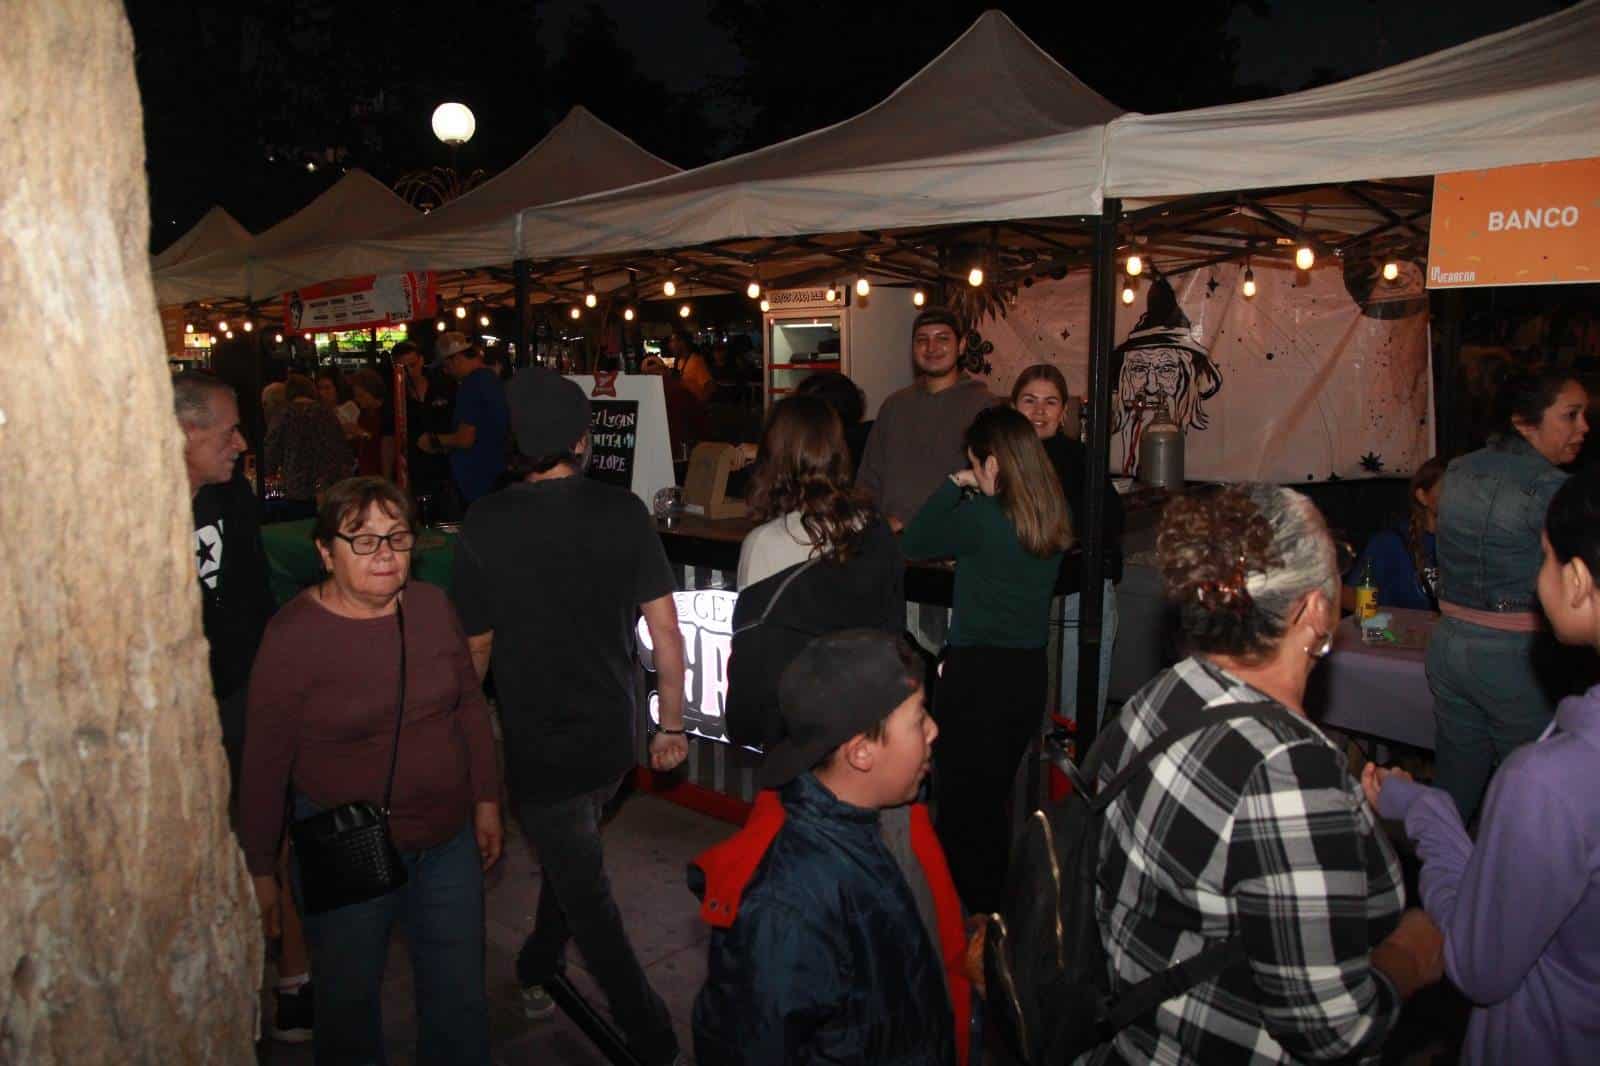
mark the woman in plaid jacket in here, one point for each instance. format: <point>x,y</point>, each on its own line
<point>1254,828</point>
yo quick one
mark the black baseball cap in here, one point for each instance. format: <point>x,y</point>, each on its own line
<point>937,316</point>
<point>839,685</point>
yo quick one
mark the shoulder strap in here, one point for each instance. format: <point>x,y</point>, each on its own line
<point>1185,722</point>
<point>400,714</point>
<point>777,595</point>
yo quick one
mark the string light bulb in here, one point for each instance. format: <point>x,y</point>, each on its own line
<point>590,299</point>
<point>437,325</point>
<point>1127,294</point>
<point>277,338</point>
<point>1391,270</point>
<point>308,336</point>
<point>683,312</point>
<point>918,298</point>
<point>483,320</point>
<point>765,306</point>
<point>627,314</point>
<point>222,327</point>
<point>1249,287</point>
<point>402,329</point>
<point>1135,266</point>
<point>863,286</point>
<point>753,290</point>
<point>575,313</point>
<point>832,294</point>
<point>230,334</point>
<point>1304,257</point>
<point>975,276</point>
<point>188,327</point>
<point>249,326</point>
<point>461,310</point>
<point>669,288</point>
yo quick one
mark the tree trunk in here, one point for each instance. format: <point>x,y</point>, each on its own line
<point>127,924</point>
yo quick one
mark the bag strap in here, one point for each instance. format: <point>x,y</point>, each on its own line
<point>400,715</point>
<point>797,570</point>
<point>1183,724</point>
<point>1156,989</point>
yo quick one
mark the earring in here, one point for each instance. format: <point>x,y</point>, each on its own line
<point>1324,646</point>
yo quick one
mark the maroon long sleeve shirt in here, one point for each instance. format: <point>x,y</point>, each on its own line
<point>321,719</point>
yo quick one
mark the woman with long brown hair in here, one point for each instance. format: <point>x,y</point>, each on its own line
<point>801,492</point>
<point>1404,558</point>
<point>1004,521</point>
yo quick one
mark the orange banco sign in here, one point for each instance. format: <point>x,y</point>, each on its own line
<point>1529,225</point>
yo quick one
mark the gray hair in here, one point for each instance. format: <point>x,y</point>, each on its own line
<point>191,396</point>
<point>1300,539</point>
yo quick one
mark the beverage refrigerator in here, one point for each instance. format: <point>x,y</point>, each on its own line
<point>868,338</point>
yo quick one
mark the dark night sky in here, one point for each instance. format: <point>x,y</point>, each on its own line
<point>205,124</point>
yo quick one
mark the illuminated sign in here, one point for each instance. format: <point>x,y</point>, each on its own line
<point>705,618</point>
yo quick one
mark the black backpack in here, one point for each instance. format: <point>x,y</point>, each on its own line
<point>1047,973</point>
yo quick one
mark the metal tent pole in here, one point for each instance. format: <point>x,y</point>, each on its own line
<point>521,271</point>
<point>1091,600</point>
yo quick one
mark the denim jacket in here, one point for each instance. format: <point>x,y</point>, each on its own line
<point>1490,515</point>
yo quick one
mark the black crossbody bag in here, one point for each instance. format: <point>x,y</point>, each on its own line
<point>346,854</point>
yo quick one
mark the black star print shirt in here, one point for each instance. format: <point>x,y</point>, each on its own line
<point>232,570</point>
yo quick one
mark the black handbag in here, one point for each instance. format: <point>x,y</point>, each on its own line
<point>345,853</point>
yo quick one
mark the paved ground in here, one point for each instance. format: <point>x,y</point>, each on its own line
<point>647,846</point>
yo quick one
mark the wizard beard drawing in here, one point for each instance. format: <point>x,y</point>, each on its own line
<point>1161,364</point>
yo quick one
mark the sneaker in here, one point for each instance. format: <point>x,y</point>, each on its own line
<point>536,1002</point>
<point>292,1021</point>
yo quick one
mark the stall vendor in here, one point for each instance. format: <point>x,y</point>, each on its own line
<point>916,440</point>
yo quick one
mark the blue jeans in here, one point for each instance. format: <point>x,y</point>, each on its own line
<point>575,902</point>
<point>1488,700</point>
<point>1069,652</point>
<point>440,908</point>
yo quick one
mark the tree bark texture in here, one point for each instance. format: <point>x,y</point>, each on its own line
<point>128,930</point>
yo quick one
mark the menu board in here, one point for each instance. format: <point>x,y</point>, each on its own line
<point>613,426</point>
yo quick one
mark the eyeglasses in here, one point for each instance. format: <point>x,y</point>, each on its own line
<point>401,540</point>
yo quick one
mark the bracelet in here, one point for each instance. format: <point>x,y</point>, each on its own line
<point>671,732</point>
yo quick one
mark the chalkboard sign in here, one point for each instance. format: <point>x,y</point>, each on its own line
<point>613,426</point>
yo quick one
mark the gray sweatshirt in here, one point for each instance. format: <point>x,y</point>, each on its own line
<point>917,441</point>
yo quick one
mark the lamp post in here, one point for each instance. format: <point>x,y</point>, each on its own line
<point>454,124</point>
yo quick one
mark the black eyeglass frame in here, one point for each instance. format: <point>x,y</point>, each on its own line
<point>380,538</point>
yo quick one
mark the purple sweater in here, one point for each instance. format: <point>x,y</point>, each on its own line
<point>1521,911</point>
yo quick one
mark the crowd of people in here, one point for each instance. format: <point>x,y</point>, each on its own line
<point>840,913</point>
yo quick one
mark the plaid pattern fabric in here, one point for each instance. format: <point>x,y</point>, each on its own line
<point>1252,828</point>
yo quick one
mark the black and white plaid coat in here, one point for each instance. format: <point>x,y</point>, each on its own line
<point>1251,828</point>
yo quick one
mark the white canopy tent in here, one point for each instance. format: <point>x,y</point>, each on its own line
<point>1530,94</point>
<point>963,140</point>
<point>358,205</point>
<point>579,156</point>
<point>216,232</point>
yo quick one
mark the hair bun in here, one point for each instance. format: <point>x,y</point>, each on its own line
<point>1209,544</point>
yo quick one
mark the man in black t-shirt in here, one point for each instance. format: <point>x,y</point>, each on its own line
<point>551,576</point>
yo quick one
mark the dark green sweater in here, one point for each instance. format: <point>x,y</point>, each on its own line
<point>1002,597</point>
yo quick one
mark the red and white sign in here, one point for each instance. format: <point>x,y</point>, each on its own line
<point>357,303</point>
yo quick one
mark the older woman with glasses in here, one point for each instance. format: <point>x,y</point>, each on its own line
<point>338,666</point>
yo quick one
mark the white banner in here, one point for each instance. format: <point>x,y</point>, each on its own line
<point>1300,383</point>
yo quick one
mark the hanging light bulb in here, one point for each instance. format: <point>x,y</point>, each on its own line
<point>1249,287</point>
<point>438,325</point>
<point>402,329</point>
<point>249,326</point>
<point>1127,294</point>
<point>753,290</point>
<point>975,276</point>
<point>863,286</point>
<point>222,327</point>
<point>1391,270</point>
<point>230,334</point>
<point>832,294</point>
<point>1304,257</point>
<point>627,314</point>
<point>1135,266</point>
<point>669,288</point>
<point>590,299</point>
<point>683,312</point>
<point>918,298</point>
<point>483,320</point>
<point>277,338</point>
<point>188,327</point>
<point>308,336</point>
<point>765,306</point>
<point>575,313</point>
<point>461,310</point>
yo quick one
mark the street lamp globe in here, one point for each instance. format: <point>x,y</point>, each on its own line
<point>453,123</point>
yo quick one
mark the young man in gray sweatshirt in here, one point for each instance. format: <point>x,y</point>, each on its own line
<point>917,440</point>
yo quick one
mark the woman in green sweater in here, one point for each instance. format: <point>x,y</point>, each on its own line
<point>1004,521</point>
